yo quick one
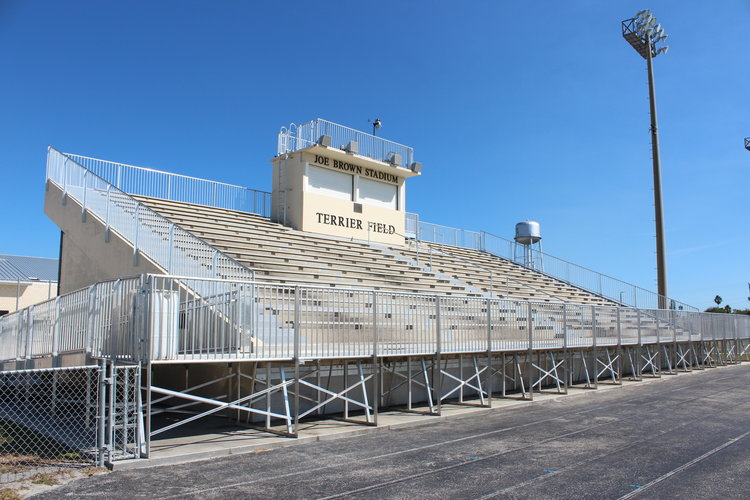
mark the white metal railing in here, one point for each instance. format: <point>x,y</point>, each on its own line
<point>296,137</point>
<point>167,244</point>
<point>157,184</point>
<point>579,276</point>
<point>98,320</point>
<point>163,318</point>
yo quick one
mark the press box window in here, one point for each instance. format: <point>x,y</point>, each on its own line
<point>329,183</point>
<point>378,193</point>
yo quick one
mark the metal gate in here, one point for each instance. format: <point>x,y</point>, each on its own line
<point>121,428</point>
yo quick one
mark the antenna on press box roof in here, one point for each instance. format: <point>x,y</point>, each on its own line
<point>376,125</point>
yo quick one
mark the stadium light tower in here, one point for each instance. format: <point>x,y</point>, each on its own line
<point>644,34</point>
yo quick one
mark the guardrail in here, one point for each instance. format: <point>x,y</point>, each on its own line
<point>167,186</point>
<point>573,274</point>
<point>171,247</point>
<point>97,320</point>
<point>163,318</point>
<point>296,137</point>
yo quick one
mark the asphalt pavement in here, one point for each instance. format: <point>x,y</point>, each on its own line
<point>685,436</point>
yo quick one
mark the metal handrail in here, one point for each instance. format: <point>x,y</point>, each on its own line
<point>296,137</point>
<point>550,259</point>
<point>176,187</point>
<point>166,243</point>
<point>569,272</point>
<point>110,320</point>
<point>158,184</point>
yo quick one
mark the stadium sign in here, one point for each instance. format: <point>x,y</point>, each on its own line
<point>353,168</point>
<point>354,223</point>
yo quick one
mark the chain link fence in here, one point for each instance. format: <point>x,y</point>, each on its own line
<point>48,421</point>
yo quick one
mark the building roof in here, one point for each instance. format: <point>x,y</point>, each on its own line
<point>19,268</point>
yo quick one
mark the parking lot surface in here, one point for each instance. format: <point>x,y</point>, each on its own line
<point>685,436</point>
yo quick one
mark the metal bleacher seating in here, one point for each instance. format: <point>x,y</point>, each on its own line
<point>280,254</point>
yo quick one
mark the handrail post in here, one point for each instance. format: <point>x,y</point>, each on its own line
<point>488,382</point>
<point>437,380</point>
<point>56,334</point>
<point>529,361</point>
<point>619,347</point>
<point>566,361</point>
<point>91,302</point>
<point>673,320</point>
<point>375,361</point>
<point>29,333</point>
<point>296,358</point>
<point>171,248</point>
<point>593,346</point>
<point>137,231</point>
<point>85,193</point>
<point>106,216</point>
<point>724,340</point>
<point>65,181</point>
<point>640,346</point>
<point>144,345</point>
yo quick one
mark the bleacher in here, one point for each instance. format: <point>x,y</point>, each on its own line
<point>283,255</point>
<point>280,254</point>
<point>502,277</point>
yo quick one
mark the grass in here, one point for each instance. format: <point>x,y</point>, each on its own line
<point>9,494</point>
<point>45,479</point>
<point>49,479</point>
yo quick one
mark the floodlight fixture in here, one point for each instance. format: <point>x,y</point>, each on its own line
<point>747,146</point>
<point>645,35</point>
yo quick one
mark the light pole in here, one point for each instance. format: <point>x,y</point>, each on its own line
<point>644,34</point>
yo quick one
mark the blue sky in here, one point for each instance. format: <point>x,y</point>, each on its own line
<point>516,109</point>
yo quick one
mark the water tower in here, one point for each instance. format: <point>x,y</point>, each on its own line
<point>528,235</point>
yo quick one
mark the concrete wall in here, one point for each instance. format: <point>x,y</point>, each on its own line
<point>288,182</point>
<point>87,256</point>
